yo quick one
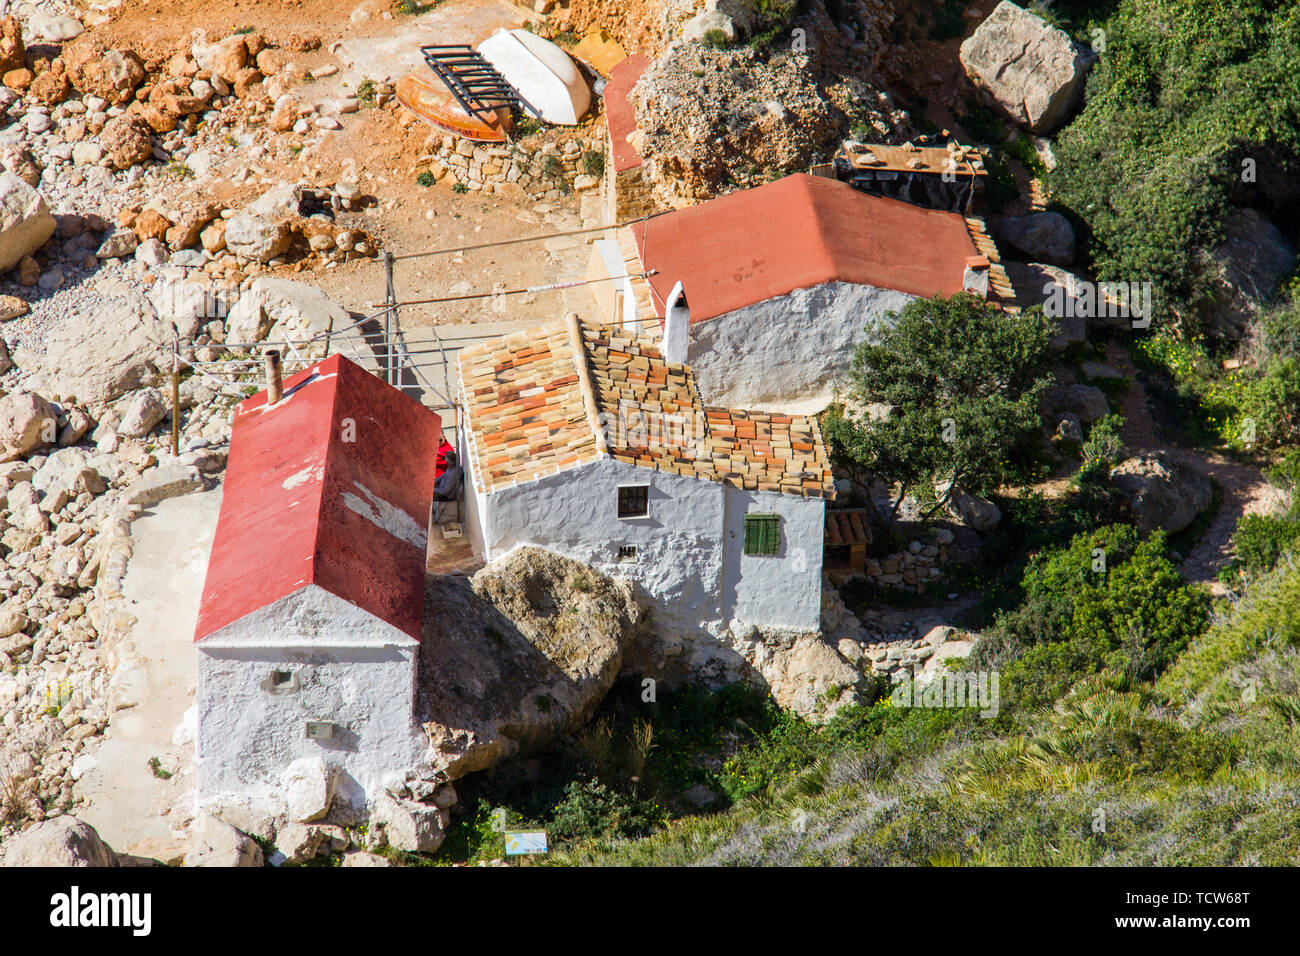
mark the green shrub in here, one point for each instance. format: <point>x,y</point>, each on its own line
<point>1000,189</point>
<point>593,163</point>
<point>964,382</point>
<point>1104,447</point>
<point>1260,540</point>
<point>425,179</point>
<point>1105,600</point>
<point>1182,94</point>
<point>1272,405</point>
<point>716,39</point>
<point>591,809</point>
<point>771,19</point>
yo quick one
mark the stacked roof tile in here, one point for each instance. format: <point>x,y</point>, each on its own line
<point>527,415</point>
<point>1001,290</point>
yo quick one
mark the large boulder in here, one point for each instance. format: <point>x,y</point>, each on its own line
<point>288,311</point>
<point>1057,291</point>
<point>308,788</point>
<point>261,230</point>
<point>213,843</point>
<point>1087,402</point>
<point>1041,235</point>
<point>1028,68</point>
<point>186,304</point>
<point>25,221</point>
<point>225,58</point>
<point>256,237</point>
<point>146,409</point>
<point>27,421</point>
<point>112,75</point>
<point>408,825</point>
<point>804,673</point>
<point>518,657</point>
<point>976,513</point>
<point>125,140</point>
<point>1163,493</point>
<point>1245,270</point>
<point>105,352</point>
<point>63,841</point>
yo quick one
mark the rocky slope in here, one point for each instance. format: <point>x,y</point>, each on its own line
<point>714,118</point>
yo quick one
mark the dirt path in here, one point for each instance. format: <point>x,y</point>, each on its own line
<point>1244,488</point>
<point>126,801</point>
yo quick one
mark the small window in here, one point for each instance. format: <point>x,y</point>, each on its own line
<point>281,678</point>
<point>627,554</point>
<point>633,501</point>
<point>762,534</point>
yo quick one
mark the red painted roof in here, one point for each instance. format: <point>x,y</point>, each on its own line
<point>294,483</point>
<point>796,233</point>
<point>618,111</point>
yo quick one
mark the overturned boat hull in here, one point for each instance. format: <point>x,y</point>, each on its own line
<point>545,76</point>
<point>421,92</point>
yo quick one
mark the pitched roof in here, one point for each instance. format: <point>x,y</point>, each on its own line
<point>542,401</point>
<point>330,487</point>
<point>795,233</point>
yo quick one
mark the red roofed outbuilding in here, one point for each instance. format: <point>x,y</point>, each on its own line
<point>780,283</point>
<point>311,615</point>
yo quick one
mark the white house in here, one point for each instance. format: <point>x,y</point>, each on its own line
<point>766,292</point>
<point>310,621</point>
<point>580,438</point>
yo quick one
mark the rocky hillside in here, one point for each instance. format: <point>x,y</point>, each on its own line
<point>722,108</point>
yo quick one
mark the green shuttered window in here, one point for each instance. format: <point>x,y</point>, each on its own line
<point>762,534</point>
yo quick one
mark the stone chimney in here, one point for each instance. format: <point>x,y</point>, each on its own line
<point>677,326</point>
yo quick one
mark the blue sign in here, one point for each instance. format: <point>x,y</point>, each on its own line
<point>524,842</point>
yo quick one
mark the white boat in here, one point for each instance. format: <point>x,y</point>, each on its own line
<point>543,74</point>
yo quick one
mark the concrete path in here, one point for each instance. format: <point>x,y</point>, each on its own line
<point>124,799</point>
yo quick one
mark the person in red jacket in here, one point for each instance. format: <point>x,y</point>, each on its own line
<point>441,464</point>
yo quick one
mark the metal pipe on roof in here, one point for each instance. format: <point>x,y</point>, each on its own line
<point>274,387</point>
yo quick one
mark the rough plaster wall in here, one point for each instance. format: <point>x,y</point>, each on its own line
<point>473,520</point>
<point>309,617</point>
<point>575,513</point>
<point>248,734</point>
<point>782,590</point>
<point>793,348</point>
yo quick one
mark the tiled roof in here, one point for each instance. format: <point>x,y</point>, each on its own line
<point>528,415</point>
<point>524,406</point>
<point>799,232</point>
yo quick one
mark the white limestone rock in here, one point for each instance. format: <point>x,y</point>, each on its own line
<point>25,221</point>
<point>213,843</point>
<point>1030,69</point>
<point>308,788</point>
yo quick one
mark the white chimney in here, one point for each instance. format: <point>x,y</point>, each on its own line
<point>677,326</point>
<point>975,278</point>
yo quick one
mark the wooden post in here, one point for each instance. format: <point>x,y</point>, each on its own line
<point>176,392</point>
<point>391,298</point>
<point>274,389</point>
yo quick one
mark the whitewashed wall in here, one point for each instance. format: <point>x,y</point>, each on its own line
<point>347,667</point>
<point>791,349</point>
<point>784,589</point>
<point>690,551</point>
<point>575,513</point>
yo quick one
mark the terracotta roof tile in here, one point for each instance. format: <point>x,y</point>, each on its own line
<point>526,415</point>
